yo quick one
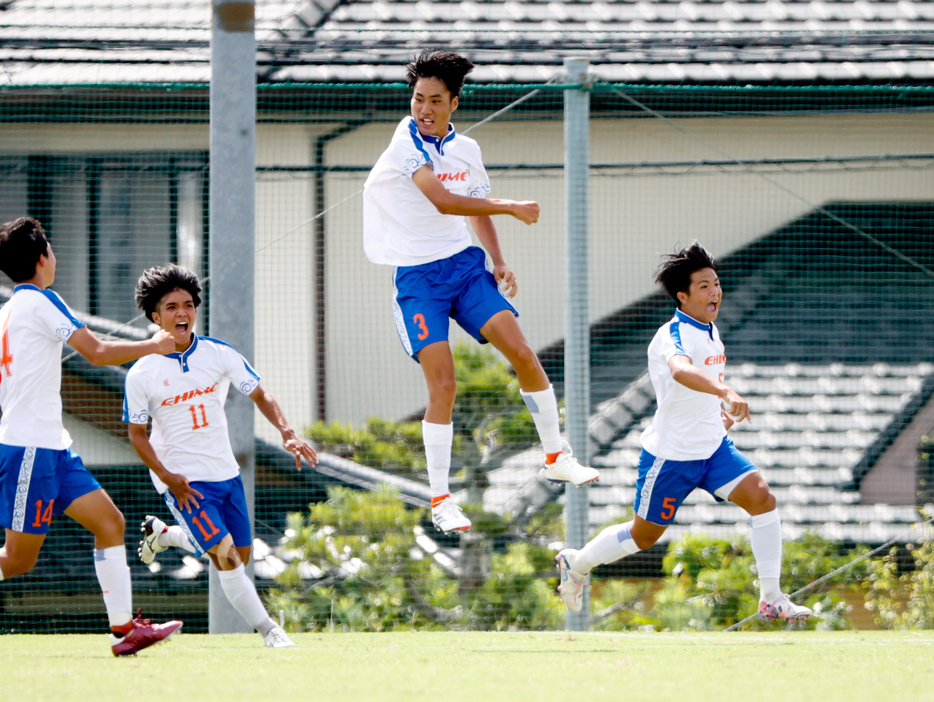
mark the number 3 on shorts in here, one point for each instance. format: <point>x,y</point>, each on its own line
<point>668,511</point>
<point>419,319</point>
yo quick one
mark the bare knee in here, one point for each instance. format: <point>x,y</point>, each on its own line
<point>644,541</point>
<point>524,358</point>
<point>442,391</point>
<point>17,563</point>
<point>762,502</point>
<point>645,534</point>
<point>109,529</point>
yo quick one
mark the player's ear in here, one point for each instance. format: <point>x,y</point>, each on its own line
<point>682,298</point>
<point>453,103</point>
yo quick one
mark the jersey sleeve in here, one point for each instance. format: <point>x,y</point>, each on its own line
<point>407,155</point>
<point>54,318</point>
<point>135,399</point>
<point>479,185</point>
<point>241,373</point>
<point>672,344</point>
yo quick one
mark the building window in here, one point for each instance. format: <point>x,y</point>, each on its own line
<point>109,216</point>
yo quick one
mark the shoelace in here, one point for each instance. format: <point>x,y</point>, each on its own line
<point>139,621</point>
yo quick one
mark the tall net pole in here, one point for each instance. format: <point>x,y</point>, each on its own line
<point>576,314</point>
<point>232,238</point>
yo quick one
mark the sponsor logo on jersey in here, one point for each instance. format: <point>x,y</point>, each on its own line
<point>462,176</point>
<point>715,360</point>
<point>184,397</point>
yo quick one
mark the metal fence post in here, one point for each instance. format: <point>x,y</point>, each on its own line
<point>232,237</point>
<point>577,308</point>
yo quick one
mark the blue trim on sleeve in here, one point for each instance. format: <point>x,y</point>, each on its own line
<point>55,299</point>
<point>126,410</point>
<point>416,137</point>
<point>688,319</point>
<point>245,363</point>
<point>676,337</point>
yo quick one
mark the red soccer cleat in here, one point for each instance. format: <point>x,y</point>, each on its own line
<point>143,635</point>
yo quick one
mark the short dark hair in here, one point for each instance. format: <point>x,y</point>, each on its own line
<point>446,66</point>
<point>158,281</point>
<point>22,243</point>
<point>674,274</point>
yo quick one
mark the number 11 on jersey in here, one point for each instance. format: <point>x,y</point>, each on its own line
<point>195,418</point>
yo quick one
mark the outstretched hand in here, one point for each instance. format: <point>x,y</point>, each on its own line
<point>299,448</point>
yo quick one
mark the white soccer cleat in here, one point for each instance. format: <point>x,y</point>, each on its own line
<point>448,517</point>
<point>567,470</point>
<point>277,638</point>
<point>572,583</point>
<point>783,609</point>
<point>152,528</point>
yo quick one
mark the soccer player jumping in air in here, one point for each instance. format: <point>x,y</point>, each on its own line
<point>686,446</point>
<point>189,455</point>
<point>414,204</point>
<point>40,477</point>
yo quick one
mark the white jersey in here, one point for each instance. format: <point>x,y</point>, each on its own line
<point>34,326</point>
<point>687,424</point>
<point>184,395</point>
<point>400,225</point>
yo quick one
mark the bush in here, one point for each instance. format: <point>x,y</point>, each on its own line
<point>371,573</point>
<point>710,584</point>
<point>903,600</point>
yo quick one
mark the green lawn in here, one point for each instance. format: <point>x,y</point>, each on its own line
<point>485,667</point>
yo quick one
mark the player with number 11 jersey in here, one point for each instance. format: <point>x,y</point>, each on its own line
<point>189,454</point>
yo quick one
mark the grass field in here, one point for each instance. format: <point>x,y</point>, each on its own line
<point>488,667</point>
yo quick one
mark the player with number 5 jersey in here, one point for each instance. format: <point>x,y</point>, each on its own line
<point>687,447</point>
<point>188,454</point>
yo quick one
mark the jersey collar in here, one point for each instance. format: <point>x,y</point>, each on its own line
<point>688,319</point>
<point>437,142</point>
<point>25,286</point>
<point>183,357</point>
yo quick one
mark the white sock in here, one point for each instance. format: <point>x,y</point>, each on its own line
<point>544,408</point>
<point>114,576</point>
<point>609,545</point>
<point>766,541</point>
<point>176,536</point>
<point>241,593</point>
<point>438,440</point>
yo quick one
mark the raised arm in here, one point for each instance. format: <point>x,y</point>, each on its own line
<point>447,202</point>
<point>290,440</point>
<point>115,353</point>
<point>686,373</point>
<point>178,484</point>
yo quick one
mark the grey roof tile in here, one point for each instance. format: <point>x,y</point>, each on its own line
<point>324,40</point>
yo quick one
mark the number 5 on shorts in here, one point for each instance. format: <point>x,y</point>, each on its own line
<point>668,511</point>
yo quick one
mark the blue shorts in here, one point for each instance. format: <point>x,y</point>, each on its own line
<point>37,484</point>
<point>221,511</point>
<point>663,485</point>
<point>458,287</point>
